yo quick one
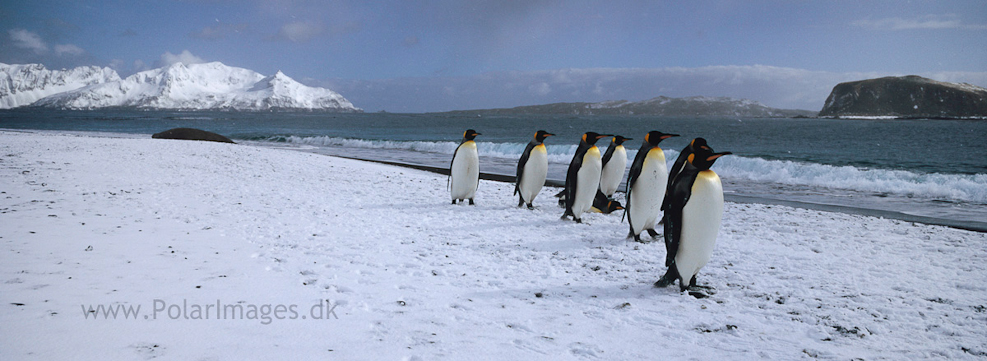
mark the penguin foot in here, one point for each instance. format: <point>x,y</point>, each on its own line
<point>471,202</point>
<point>578,220</point>
<point>453,201</point>
<point>653,233</point>
<point>669,277</point>
<point>530,206</point>
<point>664,282</point>
<point>698,294</point>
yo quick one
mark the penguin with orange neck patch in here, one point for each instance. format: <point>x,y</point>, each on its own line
<point>464,172</point>
<point>692,220</point>
<point>532,169</point>
<point>646,186</point>
<point>582,179</point>
<point>614,165</point>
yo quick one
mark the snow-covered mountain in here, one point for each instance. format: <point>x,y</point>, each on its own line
<point>24,84</point>
<point>201,86</point>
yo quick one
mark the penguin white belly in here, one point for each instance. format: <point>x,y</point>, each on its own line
<point>701,218</point>
<point>535,171</point>
<point>587,182</point>
<point>613,172</point>
<point>648,191</point>
<point>465,172</point>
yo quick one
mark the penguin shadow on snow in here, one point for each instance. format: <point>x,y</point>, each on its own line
<point>620,297</point>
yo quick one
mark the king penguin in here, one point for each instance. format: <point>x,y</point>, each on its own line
<point>464,172</point>
<point>614,164</point>
<point>582,180</point>
<point>646,186</point>
<point>532,169</point>
<point>692,219</point>
<point>605,205</point>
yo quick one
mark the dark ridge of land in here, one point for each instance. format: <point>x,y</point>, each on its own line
<point>660,106</point>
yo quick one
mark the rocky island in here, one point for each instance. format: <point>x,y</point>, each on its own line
<point>906,97</point>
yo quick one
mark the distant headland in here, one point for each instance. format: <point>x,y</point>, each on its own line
<point>906,97</point>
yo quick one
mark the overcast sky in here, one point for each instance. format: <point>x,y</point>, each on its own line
<point>415,56</point>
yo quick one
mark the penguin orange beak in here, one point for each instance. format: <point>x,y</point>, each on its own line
<point>601,136</point>
<point>549,134</point>
<point>717,155</point>
<point>666,136</point>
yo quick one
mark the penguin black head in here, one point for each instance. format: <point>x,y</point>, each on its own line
<point>470,134</point>
<point>697,143</point>
<point>541,135</point>
<point>590,138</point>
<point>703,157</point>
<point>613,206</point>
<point>618,140</point>
<point>654,137</point>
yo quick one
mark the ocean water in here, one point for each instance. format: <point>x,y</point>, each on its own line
<point>930,169</point>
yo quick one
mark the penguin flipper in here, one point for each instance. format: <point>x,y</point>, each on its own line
<point>451,163</point>
<point>673,173</point>
<point>609,153</point>
<point>672,218</point>
<point>571,177</point>
<point>520,165</point>
<point>632,176</point>
<point>673,229</point>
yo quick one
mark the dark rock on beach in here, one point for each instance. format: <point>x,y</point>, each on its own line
<point>191,134</point>
<point>906,97</point>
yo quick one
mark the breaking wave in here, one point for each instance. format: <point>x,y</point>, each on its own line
<point>953,187</point>
<point>959,187</point>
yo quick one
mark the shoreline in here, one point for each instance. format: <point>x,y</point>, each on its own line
<point>969,225</point>
<point>735,198</point>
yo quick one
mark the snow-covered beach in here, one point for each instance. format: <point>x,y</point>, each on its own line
<point>178,226</point>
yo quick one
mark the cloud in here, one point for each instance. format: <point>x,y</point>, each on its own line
<point>68,49</point>
<point>299,31</point>
<point>28,40</point>
<point>139,66</point>
<point>925,22</point>
<point>185,57</point>
<point>540,89</point>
